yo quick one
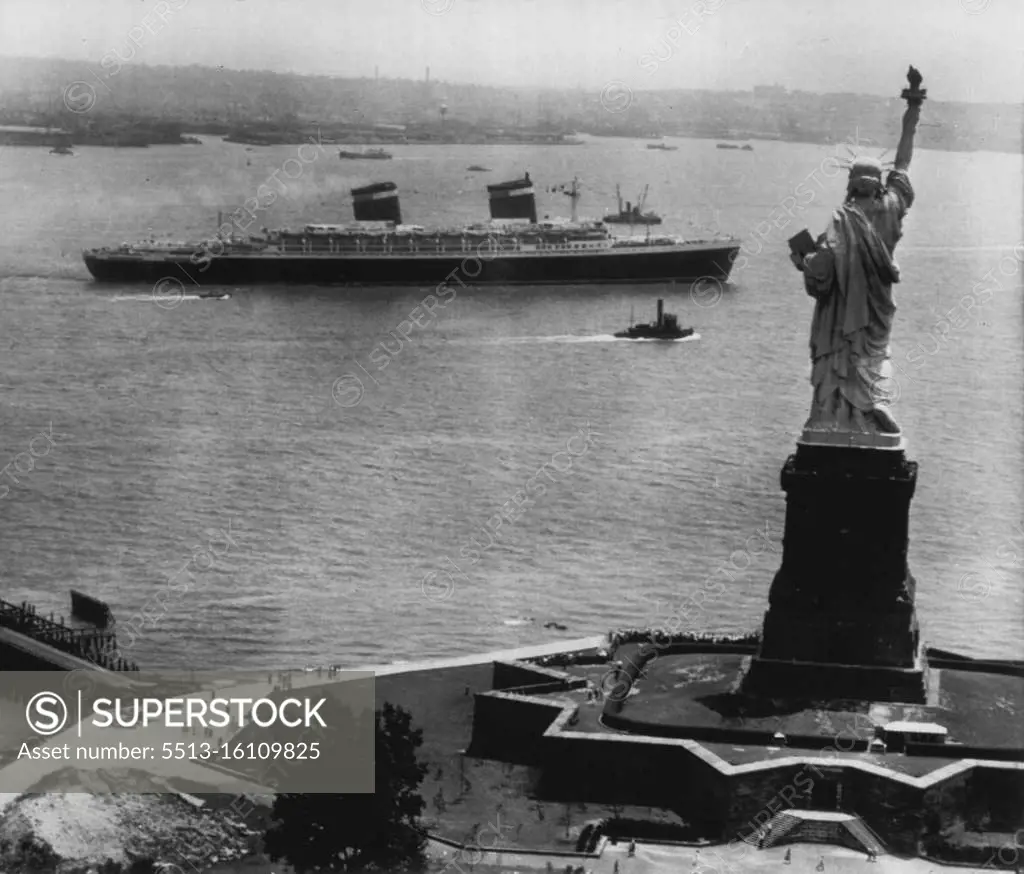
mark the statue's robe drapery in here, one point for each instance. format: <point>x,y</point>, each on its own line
<point>851,275</point>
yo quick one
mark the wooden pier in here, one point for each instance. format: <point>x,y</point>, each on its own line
<point>97,646</point>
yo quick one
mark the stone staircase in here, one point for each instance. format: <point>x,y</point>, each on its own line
<point>863,833</point>
<point>819,827</point>
<point>773,831</point>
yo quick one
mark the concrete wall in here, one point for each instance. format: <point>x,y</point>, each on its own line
<point>513,675</point>
<point>611,768</point>
<point>511,727</point>
<point>755,797</point>
<point>948,661</point>
<point>964,751</point>
<point>998,793</point>
<point>893,809</point>
<point>713,734</point>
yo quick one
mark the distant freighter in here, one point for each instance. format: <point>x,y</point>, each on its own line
<point>366,154</point>
<point>632,214</point>
<point>378,249</point>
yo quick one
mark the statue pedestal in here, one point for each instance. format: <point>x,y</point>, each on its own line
<point>841,622</point>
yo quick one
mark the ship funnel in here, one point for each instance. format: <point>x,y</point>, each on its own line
<point>513,200</point>
<point>377,203</point>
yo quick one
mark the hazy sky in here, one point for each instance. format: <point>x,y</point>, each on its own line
<point>966,49</point>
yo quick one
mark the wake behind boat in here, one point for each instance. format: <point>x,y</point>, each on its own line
<point>666,327</point>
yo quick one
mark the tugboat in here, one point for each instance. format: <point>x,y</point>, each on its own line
<point>368,154</point>
<point>632,215</point>
<point>665,328</point>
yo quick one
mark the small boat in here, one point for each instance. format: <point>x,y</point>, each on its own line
<point>747,148</point>
<point>214,295</point>
<point>662,147</point>
<point>632,215</point>
<point>665,328</point>
<point>61,150</point>
<point>366,154</point>
<point>476,168</point>
<point>90,609</point>
<point>726,146</point>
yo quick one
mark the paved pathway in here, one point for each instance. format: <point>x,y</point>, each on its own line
<point>657,859</point>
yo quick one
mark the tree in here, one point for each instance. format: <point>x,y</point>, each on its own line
<point>338,833</point>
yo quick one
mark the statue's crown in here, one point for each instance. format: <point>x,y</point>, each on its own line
<point>864,166</point>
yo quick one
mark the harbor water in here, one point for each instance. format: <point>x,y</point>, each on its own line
<point>258,482</point>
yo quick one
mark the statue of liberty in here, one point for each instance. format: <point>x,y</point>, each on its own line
<point>850,274</point>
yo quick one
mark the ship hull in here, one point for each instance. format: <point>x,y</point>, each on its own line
<point>652,334</point>
<point>652,264</point>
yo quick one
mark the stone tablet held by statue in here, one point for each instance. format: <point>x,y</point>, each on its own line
<point>802,244</point>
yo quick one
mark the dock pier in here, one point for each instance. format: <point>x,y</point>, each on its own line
<point>32,642</point>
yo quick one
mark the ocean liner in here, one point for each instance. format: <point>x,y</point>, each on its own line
<point>378,249</point>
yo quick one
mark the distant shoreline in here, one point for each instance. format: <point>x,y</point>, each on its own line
<point>298,137</point>
<point>144,135</point>
<point>381,110</point>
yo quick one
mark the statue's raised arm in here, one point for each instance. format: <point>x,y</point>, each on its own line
<point>915,95</point>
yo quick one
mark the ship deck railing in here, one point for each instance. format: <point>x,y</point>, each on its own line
<point>428,246</point>
<point>331,246</point>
